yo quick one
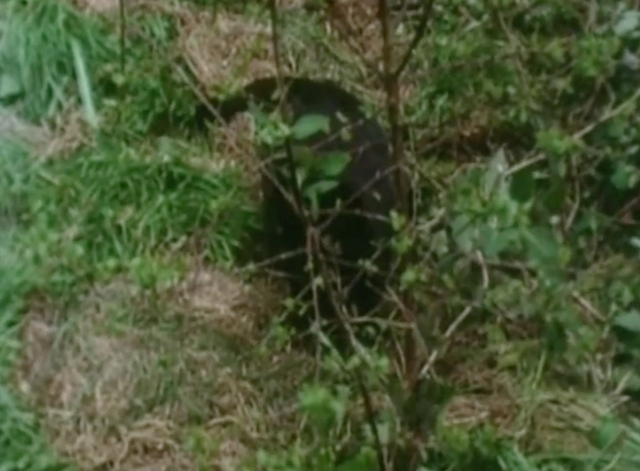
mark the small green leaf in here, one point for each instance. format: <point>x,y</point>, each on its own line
<point>308,125</point>
<point>629,321</point>
<point>464,232</point>
<point>318,403</point>
<point>542,241</point>
<point>522,185</point>
<point>554,197</point>
<point>333,164</point>
<point>9,87</point>
<point>543,249</point>
<point>497,167</point>
<point>625,176</point>
<point>629,21</point>
<point>314,190</point>
<point>409,277</point>
<point>302,173</point>
<point>320,187</point>
<point>607,433</point>
<point>555,142</point>
<point>494,242</point>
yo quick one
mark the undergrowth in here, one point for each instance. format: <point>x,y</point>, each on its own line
<point>524,130</point>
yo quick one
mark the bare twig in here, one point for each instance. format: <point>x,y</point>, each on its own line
<point>450,330</point>
<point>587,306</point>
<point>417,37</point>
<point>391,87</point>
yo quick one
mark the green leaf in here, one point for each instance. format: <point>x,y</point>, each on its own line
<point>629,321</point>
<point>555,143</point>
<point>542,241</point>
<point>497,167</point>
<point>554,197</point>
<point>629,21</point>
<point>607,433</point>
<point>314,190</point>
<point>495,241</point>
<point>363,461</point>
<point>319,404</point>
<point>543,249</point>
<point>409,277</point>
<point>308,125</point>
<point>464,232</point>
<point>333,164</point>
<point>522,185</point>
<point>84,85</point>
<point>625,176</point>
<point>320,187</point>
<point>9,87</point>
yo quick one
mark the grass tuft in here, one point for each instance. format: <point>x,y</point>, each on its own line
<point>37,53</point>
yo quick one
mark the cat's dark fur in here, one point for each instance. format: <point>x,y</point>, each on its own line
<point>366,184</point>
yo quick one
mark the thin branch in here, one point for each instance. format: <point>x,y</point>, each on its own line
<point>393,96</point>
<point>417,37</point>
<point>273,10</point>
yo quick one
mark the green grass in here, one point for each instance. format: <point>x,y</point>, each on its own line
<point>22,444</point>
<point>126,246</point>
<point>37,56</point>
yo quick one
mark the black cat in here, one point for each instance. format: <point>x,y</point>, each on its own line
<point>366,187</point>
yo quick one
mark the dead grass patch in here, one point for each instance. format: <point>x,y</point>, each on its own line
<point>229,50</point>
<point>12,127</point>
<point>66,134</point>
<point>128,380</point>
<point>97,6</point>
<point>221,48</point>
<point>536,415</point>
<point>70,132</point>
<point>178,378</point>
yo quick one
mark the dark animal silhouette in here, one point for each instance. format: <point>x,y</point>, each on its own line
<point>365,188</point>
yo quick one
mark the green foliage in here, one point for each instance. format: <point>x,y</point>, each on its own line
<point>525,259</point>
<point>150,96</point>
<point>316,173</point>
<point>326,410</point>
<point>102,210</point>
<point>22,446</point>
<point>309,125</point>
<point>48,55</point>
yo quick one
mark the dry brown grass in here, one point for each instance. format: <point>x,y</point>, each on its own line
<point>229,50</point>
<point>97,6</point>
<point>220,50</point>
<point>128,381</point>
<point>539,418</point>
<point>67,133</point>
<point>13,127</point>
